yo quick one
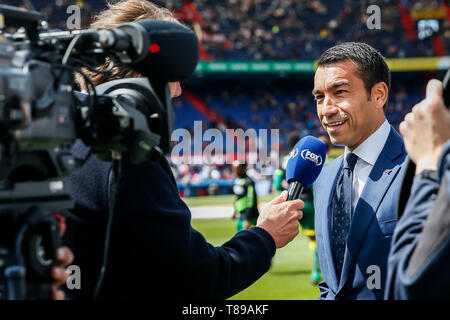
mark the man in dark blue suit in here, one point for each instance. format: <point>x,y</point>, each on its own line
<point>419,261</point>
<point>355,195</point>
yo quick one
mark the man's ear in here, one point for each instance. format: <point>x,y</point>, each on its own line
<point>379,94</point>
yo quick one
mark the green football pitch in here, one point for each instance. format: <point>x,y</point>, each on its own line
<point>289,275</point>
<point>221,200</point>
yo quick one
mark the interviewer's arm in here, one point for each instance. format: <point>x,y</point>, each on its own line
<point>406,236</point>
<point>426,132</point>
<point>435,237</point>
<point>416,264</point>
<point>156,224</point>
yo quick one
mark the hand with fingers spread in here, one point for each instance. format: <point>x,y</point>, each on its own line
<point>426,128</point>
<point>280,219</point>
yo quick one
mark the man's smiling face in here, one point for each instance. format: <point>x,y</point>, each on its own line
<point>343,104</point>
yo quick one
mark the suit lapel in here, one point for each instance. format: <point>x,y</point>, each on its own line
<point>325,219</point>
<point>378,183</point>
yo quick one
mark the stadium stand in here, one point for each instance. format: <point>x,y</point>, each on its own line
<point>286,29</point>
<point>286,105</point>
<point>262,30</point>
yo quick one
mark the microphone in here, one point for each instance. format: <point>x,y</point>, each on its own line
<point>304,165</point>
<point>159,50</point>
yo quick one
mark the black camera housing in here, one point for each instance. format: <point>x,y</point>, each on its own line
<point>41,116</point>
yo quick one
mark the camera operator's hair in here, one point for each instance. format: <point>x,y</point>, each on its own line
<point>116,14</point>
<point>370,64</point>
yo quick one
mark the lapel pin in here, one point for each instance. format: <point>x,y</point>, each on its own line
<point>388,171</point>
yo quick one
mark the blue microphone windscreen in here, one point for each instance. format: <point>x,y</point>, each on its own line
<point>306,161</point>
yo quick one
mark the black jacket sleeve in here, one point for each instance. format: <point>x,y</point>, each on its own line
<point>155,252</point>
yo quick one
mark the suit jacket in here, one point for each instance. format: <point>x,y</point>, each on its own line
<point>419,261</point>
<point>371,228</point>
<point>154,253</point>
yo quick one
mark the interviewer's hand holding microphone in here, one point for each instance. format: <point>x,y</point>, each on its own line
<point>280,216</point>
<point>427,128</point>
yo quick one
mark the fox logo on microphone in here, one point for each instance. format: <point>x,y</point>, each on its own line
<point>308,155</point>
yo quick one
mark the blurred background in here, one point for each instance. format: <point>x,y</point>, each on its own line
<point>256,71</point>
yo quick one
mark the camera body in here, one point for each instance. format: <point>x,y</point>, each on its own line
<point>41,116</point>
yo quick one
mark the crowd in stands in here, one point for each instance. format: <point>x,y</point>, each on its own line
<point>285,29</point>
<point>286,106</point>
<point>276,30</point>
<point>290,29</point>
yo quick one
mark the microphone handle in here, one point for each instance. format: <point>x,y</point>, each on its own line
<point>295,190</point>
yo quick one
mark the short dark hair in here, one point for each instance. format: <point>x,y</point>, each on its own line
<point>371,66</point>
<point>293,138</point>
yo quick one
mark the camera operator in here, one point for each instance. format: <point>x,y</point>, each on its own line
<point>153,250</point>
<point>419,259</point>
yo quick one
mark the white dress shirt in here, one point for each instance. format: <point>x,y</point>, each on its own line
<point>367,153</point>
